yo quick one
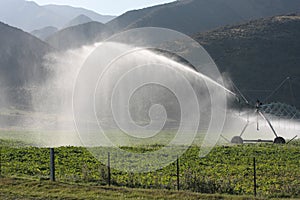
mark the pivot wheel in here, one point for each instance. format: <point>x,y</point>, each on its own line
<point>237,140</point>
<point>279,140</point>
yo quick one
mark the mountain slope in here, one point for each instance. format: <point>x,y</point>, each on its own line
<point>21,57</point>
<point>187,16</point>
<point>79,35</point>
<point>129,17</point>
<point>259,55</point>
<point>21,66</point>
<point>191,16</point>
<point>44,32</point>
<point>29,16</point>
<point>72,12</point>
<point>81,19</point>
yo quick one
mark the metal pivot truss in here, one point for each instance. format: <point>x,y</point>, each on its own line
<point>281,110</point>
<point>275,109</point>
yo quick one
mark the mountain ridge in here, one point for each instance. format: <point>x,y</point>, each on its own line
<point>44,32</point>
<point>194,16</point>
<point>77,36</point>
<point>21,66</point>
<point>80,19</point>
<point>29,16</point>
<point>76,11</point>
<point>19,52</point>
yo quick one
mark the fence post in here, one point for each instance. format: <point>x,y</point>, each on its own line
<point>254,177</point>
<point>0,162</point>
<point>108,169</point>
<point>178,171</point>
<point>52,164</point>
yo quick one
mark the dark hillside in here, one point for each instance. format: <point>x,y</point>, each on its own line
<point>258,55</point>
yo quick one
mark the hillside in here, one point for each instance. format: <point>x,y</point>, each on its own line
<point>72,12</point>
<point>21,56</point>
<point>80,19</point>
<point>23,14</point>
<point>259,55</point>
<point>21,59</point>
<point>79,35</point>
<point>189,17</point>
<point>30,16</point>
<point>121,22</point>
<point>44,32</point>
<point>192,16</point>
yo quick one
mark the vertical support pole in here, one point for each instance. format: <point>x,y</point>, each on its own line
<point>108,169</point>
<point>52,164</point>
<point>0,162</point>
<point>178,171</point>
<point>254,177</point>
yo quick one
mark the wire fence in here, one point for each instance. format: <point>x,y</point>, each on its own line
<point>226,170</point>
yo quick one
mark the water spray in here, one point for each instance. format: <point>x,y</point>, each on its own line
<point>259,112</point>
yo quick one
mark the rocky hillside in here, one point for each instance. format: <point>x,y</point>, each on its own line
<point>259,55</point>
<point>192,16</point>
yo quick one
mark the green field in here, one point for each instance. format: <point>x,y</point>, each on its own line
<point>226,170</point>
<point>11,189</point>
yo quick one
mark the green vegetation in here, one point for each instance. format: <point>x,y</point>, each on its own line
<point>226,170</point>
<point>258,55</point>
<point>11,189</point>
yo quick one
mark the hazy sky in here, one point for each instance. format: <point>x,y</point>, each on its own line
<point>114,7</point>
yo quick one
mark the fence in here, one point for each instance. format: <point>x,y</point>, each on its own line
<point>274,172</point>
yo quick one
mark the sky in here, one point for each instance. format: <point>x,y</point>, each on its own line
<point>110,7</point>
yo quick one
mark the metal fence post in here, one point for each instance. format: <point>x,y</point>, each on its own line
<point>0,162</point>
<point>254,177</point>
<point>108,169</point>
<point>178,171</point>
<point>52,164</point>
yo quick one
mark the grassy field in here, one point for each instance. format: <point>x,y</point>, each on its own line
<point>226,170</point>
<point>12,188</point>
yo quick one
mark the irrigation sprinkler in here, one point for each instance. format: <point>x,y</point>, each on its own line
<point>261,110</point>
<point>259,113</point>
<point>292,139</point>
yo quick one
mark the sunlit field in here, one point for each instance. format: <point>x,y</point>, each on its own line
<point>226,170</point>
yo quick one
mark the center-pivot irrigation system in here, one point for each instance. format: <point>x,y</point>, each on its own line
<point>261,110</point>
